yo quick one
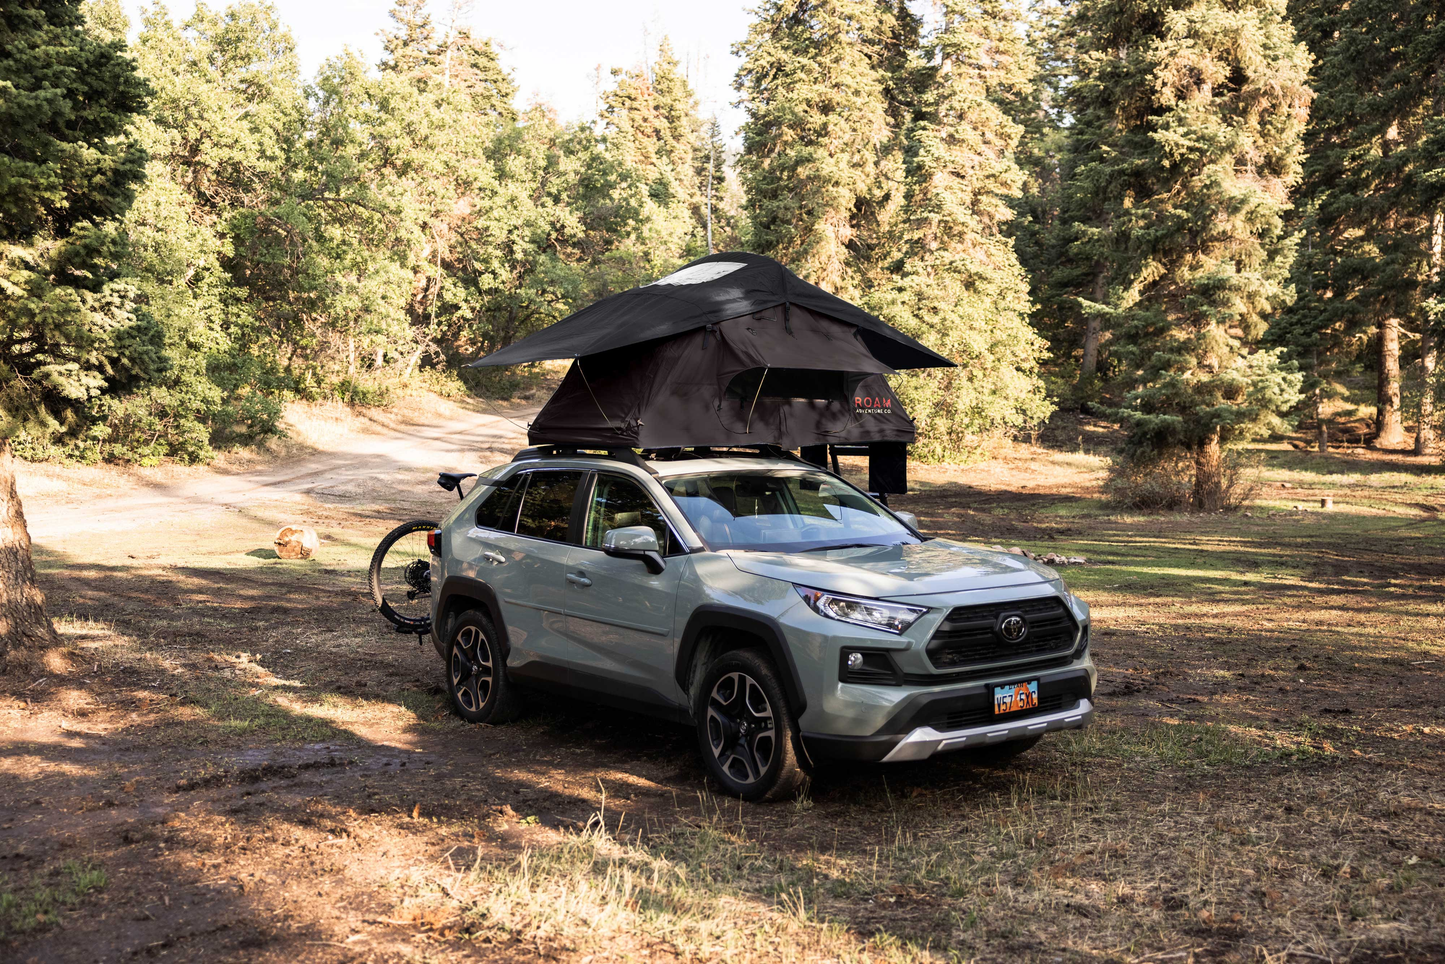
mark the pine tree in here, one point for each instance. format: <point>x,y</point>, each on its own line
<point>954,280</point>
<point>410,47</point>
<point>1373,201</point>
<point>1038,229</point>
<point>818,124</point>
<point>69,166</point>
<point>471,66</point>
<point>1188,126</point>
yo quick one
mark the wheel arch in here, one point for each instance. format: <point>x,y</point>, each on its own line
<point>713,630</point>
<point>460,594</point>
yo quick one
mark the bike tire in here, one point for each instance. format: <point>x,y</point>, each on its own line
<point>382,577</point>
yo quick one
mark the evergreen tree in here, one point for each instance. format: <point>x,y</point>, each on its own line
<point>818,124</point>
<point>69,165</point>
<point>1038,228</point>
<point>410,47</point>
<point>1188,126</point>
<point>471,66</point>
<point>954,280</point>
<point>1373,184</point>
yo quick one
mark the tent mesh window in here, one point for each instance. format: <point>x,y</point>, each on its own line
<point>788,383</point>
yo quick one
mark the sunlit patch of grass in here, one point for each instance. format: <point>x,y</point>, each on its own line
<point>39,904</point>
<point>232,713</point>
<point>1160,743</point>
<point>701,892</point>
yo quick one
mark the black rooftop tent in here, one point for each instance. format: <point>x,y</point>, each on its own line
<point>731,350</point>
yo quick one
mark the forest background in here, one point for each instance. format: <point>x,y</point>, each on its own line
<point>1208,221</point>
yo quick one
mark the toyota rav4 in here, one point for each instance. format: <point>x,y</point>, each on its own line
<point>779,610</point>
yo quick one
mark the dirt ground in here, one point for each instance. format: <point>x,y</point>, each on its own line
<point>233,759</point>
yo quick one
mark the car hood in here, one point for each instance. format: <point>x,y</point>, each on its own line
<point>927,568</point>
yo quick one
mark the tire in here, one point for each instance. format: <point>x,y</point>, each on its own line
<point>400,576</point>
<point>1001,754</point>
<point>476,671</point>
<point>749,740</point>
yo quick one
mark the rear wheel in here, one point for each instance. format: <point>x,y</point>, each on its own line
<point>746,732</point>
<point>477,672</point>
<point>401,576</point>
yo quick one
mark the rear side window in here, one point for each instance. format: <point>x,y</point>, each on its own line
<point>499,507</point>
<point>618,503</point>
<point>547,505</point>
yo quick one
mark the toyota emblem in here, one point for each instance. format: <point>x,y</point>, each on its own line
<point>1013,628</point>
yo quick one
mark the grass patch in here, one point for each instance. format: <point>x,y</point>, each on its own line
<point>37,906</point>
<point>710,891</point>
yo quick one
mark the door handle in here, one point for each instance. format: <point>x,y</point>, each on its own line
<point>578,579</point>
<point>495,558</point>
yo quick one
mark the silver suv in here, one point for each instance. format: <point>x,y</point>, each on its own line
<point>779,610</point>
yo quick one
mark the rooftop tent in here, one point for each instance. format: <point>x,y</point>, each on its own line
<point>710,290</point>
<point>731,350</point>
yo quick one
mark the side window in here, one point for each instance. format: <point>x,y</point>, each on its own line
<point>498,509</point>
<point>547,505</point>
<point>618,502</point>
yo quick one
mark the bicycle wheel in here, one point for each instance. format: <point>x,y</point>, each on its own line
<point>401,576</point>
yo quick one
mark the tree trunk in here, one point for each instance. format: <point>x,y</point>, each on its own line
<point>1092,330</point>
<point>1425,430</point>
<point>1209,474</point>
<point>25,630</point>
<point>1430,344</point>
<point>1389,432</point>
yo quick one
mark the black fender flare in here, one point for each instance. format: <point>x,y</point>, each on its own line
<point>766,628</point>
<point>476,591</point>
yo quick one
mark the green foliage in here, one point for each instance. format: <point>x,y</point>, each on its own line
<point>69,165</point>
<point>1373,187</point>
<point>816,93</point>
<point>880,165</point>
<point>1186,142</point>
<point>951,278</point>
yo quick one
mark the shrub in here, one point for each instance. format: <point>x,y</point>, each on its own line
<point>1164,480</point>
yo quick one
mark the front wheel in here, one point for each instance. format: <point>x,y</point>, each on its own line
<point>401,576</point>
<point>749,740</point>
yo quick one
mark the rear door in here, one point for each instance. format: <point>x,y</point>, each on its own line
<point>535,559</point>
<point>620,617</point>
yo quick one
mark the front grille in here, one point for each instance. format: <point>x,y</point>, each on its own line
<point>981,715</point>
<point>968,635</point>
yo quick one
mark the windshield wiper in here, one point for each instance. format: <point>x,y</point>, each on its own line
<point>850,545</point>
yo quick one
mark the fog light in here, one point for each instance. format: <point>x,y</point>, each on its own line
<point>855,660</point>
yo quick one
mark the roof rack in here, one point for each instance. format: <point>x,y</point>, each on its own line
<point>565,451</point>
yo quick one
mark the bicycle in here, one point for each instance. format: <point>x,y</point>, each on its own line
<point>400,571</point>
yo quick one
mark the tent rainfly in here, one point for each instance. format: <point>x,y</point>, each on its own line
<point>731,350</point>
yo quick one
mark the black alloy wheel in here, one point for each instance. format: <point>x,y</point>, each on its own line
<point>746,732</point>
<point>740,728</point>
<point>471,670</point>
<point>477,672</point>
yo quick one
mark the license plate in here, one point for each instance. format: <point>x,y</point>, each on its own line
<point>1015,697</point>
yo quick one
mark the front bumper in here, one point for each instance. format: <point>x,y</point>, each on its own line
<point>926,741</point>
<point>958,717</point>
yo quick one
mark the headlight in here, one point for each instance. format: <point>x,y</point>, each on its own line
<point>889,617</point>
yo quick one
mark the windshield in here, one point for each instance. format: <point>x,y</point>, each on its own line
<point>782,511</point>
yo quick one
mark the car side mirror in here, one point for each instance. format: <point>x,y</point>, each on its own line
<point>635,542</point>
<point>907,518</point>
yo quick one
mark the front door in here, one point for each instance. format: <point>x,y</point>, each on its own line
<point>620,616</point>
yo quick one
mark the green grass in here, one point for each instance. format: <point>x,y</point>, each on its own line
<point>38,905</point>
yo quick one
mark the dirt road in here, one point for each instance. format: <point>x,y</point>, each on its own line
<point>373,458</point>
